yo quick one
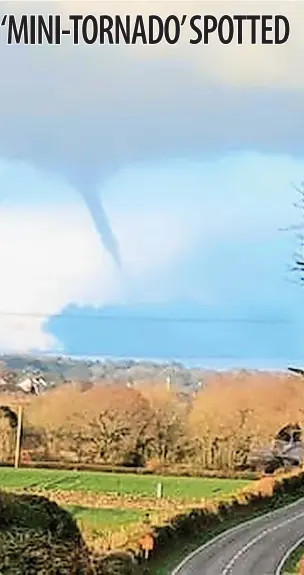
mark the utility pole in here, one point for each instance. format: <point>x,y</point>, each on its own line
<point>18,438</point>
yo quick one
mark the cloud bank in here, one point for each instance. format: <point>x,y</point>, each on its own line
<point>52,258</point>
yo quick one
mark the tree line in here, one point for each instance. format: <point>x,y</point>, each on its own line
<point>216,428</point>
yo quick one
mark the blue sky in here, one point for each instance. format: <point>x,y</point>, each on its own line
<point>191,152</point>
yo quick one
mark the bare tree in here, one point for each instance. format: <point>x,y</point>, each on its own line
<point>297,265</point>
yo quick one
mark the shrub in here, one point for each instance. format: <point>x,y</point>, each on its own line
<point>37,536</point>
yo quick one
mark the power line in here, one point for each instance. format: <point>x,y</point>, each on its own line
<point>152,319</point>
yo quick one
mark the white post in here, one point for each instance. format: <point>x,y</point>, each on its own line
<point>159,490</point>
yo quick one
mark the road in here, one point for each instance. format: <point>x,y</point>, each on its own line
<point>254,548</point>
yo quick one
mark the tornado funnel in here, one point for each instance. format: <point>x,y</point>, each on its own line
<point>102,224</point>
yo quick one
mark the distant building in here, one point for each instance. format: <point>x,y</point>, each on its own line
<point>288,445</point>
<point>286,450</point>
<point>32,384</point>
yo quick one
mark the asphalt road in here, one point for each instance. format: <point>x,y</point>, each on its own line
<point>254,548</point>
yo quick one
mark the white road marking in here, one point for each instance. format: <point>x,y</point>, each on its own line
<point>280,567</point>
<point>222,535</point>
<point>256,539</point>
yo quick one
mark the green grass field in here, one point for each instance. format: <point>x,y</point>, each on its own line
<point>185,488</point>
<point>105,519</point>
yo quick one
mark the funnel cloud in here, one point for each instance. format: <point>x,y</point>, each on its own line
<point>102,223</point>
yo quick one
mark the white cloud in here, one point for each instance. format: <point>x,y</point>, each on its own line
<point>51,257</point>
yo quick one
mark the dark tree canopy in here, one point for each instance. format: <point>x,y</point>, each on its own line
<point>6,411</point>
